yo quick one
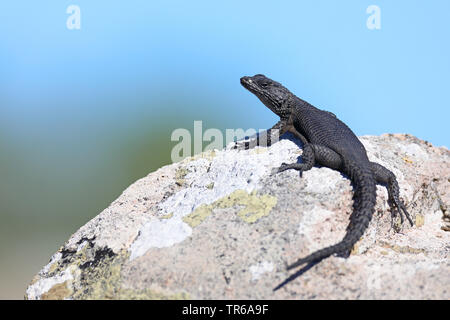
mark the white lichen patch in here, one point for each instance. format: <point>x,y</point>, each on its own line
<point>82,245</point>
<point>55,258</point>
<point>259,269</point>
<point>230,170</point>
<point>321,180</point>
<point>159,234</point>
<point>210,227</point>
<point>43,285</point>
<point>415,151</point>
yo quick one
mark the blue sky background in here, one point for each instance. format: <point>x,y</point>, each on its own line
<point>83,113</point>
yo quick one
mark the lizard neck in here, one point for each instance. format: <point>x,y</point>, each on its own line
<point>286,110</point>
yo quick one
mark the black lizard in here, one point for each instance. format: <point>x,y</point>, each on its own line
<point>329,142</point>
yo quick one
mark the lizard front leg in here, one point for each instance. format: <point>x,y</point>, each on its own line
<point>265,139</point>
<point>307,156</point>
<point>308,161</point>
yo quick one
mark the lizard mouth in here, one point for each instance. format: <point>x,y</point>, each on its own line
<point>248,84</point>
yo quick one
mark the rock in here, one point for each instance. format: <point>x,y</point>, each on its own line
<point>220,226</point>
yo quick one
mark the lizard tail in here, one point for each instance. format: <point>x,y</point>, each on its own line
<point>364,206</point>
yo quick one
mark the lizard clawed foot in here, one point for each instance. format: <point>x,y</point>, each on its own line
<point>278,169</point>
<point>403,211</point>
<point>274,171</point>
<point>398,208</point>
<point>285,166</point>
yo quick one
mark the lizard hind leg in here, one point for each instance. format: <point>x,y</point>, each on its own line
<point>386,177</point>
<point>327,157</point>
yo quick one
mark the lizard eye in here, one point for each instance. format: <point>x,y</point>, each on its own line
<point>264,84</point>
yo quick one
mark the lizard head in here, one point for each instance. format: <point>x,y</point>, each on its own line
<point>271,93</point>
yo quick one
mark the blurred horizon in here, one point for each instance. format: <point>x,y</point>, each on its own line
<point>84,113</point>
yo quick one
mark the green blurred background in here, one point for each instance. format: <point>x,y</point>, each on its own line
<point>84,113</point>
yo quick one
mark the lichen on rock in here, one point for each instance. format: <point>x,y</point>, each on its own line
<point>219,225</point>
<point>253,206</point>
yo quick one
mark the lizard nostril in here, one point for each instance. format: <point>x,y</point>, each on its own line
<point>245,80</point>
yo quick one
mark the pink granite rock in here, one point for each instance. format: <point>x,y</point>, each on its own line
<point>220,226</point>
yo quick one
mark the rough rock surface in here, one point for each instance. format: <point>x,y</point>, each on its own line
<point>220,226</point>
